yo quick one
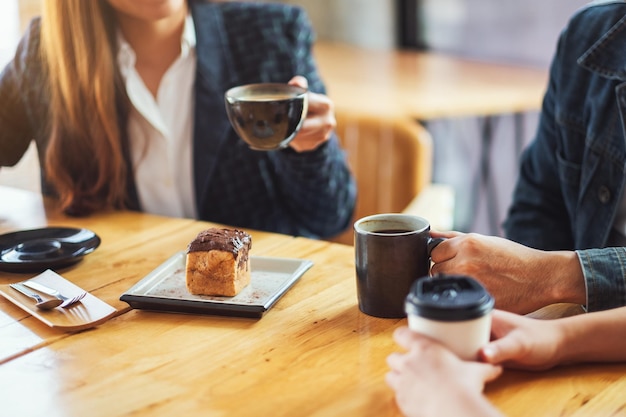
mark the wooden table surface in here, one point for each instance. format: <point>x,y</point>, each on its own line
<point>312,354</point>
<point>425,85</point>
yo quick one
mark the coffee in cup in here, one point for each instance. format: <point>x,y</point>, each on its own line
<point>391,252</point>
<point>453,309</point>
<point>266,116</point>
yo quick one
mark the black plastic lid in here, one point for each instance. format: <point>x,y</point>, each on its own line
<point>448,298</point>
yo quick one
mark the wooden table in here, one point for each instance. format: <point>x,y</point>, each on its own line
<point>426,86</point>
<point>312,354</point>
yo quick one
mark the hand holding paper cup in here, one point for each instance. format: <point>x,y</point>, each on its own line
<point>453,309</point>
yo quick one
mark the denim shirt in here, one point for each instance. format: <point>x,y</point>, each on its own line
<point>572,175</point>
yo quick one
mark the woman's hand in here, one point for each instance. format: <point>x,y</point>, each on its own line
<point>521,279</point>
<point>429,380</point>
<point>319,123</point>
<point>523,342</point>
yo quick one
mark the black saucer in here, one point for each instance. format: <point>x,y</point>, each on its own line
<point>40,249</point>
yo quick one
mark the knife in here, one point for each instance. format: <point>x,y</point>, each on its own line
<point>43,288</point>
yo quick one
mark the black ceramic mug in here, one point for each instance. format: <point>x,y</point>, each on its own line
<point>391,252</point>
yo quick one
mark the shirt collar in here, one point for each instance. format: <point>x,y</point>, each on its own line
<point>188,41</point>
<point>602,57</point>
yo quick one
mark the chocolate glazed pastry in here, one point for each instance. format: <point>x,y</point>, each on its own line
<point>218,262</point>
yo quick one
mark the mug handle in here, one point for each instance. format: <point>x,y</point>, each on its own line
<point>433,243</point>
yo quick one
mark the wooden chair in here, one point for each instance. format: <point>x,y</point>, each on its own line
<point>391,159</point>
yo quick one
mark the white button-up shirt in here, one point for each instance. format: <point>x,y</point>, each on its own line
<point>161,131</point>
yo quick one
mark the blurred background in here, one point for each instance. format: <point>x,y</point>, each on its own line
<point>522,33</point>
<point>505,31</point>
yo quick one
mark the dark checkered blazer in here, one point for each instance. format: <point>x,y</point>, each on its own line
<point>308,194</point>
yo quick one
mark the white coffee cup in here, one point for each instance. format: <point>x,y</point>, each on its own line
<point>453,309</point>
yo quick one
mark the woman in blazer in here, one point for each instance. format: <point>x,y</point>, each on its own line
<point>124,100</point>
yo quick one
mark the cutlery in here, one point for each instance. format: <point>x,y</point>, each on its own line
<point>66,301</point>
<point>41,303</point>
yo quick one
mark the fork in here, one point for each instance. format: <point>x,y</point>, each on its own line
<point>48,304</point>
<point>67,301</point>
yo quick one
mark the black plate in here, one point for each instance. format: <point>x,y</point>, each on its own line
<point>40,249</point>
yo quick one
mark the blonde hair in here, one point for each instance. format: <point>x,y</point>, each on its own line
<point>84,160</point>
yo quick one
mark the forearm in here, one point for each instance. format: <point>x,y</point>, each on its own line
<point>23,99</point>
<point>594,337</point>
<point>563,276</point>
<point>468,405</point>
<point>320,188</point>
<point>456,400</point>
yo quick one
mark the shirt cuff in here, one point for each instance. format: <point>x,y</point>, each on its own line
<point>604,271</point>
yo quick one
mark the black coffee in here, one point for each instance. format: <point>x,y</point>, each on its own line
<point>392,231</point>
<point>266,121</point>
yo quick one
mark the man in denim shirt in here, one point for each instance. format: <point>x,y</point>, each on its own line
<point>569,208</point>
